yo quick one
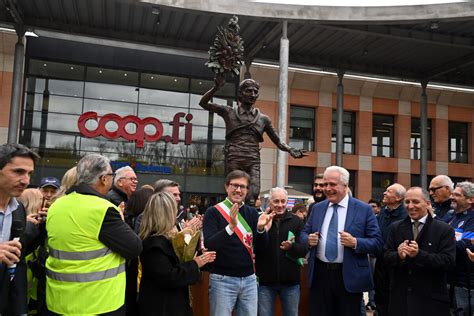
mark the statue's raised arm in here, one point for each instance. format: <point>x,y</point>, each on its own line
<point>245,124</point>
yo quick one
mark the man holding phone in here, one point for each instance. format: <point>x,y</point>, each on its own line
<point>16,166</point>
<point>48,187</point>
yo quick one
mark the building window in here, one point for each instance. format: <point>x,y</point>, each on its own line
<point>380,182</point>
<point>458,142</point>
<point>415,141</point>
<point>415,180</point>
<point>352,181</point>
<point>382,136</point>
<point>302,128</point>
<point>348,132</point>
<point>301,179</point>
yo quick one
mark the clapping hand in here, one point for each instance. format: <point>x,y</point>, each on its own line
<point>234,211</point>
<point>265,220</point>
<point>205,258</point>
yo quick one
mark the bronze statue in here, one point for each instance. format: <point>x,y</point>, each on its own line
<point>245,126</point>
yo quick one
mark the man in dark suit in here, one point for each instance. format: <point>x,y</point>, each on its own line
<point>341,232</point>
<point>420,251</point>
<point>16,166</point>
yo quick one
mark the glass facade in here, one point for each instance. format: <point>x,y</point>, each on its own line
<point>415,140</point>
<point>57,94</point>
<point>302,128</point>
<point>382,135</point>
<point>380,182</point>
<point>458,142</point>
<point>348,132</point>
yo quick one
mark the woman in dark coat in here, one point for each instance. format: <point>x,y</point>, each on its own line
<point>164,283</point>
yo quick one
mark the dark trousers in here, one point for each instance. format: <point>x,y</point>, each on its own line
<point>382,286</point>
<point>328,294</point>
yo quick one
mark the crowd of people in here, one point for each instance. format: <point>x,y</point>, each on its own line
<point>95,243</point>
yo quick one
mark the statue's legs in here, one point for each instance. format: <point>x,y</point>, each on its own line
<point>252,167</point>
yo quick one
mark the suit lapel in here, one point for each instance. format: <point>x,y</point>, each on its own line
<point>350,214</point>
<point>321,212</point>
<point>425,227</point>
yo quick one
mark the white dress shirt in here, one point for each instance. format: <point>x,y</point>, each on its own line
<point>341,221</point>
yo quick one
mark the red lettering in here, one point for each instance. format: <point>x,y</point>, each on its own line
<point>139,136</point>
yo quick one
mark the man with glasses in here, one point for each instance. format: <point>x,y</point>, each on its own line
<point>340,232</point>
<point>17,163</point>
<point>461,279</point>
<point>232,228</point>
<point>125,183</point>
<point>88,245</point>
<point>440,191</point>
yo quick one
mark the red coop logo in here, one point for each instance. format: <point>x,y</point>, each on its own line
<point>139,136</point>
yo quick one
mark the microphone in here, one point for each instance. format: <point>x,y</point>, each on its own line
<point>16,230</point>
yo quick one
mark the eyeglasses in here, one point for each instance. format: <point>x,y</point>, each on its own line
<point>109,174</point>
<point>436,188</point>
<point>236,186</point>
<point>133,179</point>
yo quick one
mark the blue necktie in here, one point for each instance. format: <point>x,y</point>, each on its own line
<point>331,239</point>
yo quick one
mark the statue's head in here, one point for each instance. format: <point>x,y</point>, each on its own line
<point>248,91</point>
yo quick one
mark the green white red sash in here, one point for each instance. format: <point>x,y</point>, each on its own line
<point>242,230</point>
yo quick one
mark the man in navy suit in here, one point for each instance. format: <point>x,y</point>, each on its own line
<point>341,232</point>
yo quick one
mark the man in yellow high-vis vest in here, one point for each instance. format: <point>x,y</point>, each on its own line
<point>88,244</point>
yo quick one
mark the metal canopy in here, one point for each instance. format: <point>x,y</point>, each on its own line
<point>440,50</point>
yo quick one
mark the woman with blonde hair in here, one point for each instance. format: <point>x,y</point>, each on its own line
<point>69,179</point>
<point>32,200</point>
<point>164,283</point>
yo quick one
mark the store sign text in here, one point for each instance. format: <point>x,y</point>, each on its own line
<point>139,136</point>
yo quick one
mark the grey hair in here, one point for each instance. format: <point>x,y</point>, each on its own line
<point>425,193</point>
<point>91,167</point>
<point>344,174</point>
<point>446,181</point>
<point>400,190</point>
<point>120,172</point>
<point>164,183</point>
<point>467,187</point>
<point>276,189</point>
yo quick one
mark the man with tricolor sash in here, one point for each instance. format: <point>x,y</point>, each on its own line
<point>232,229</point>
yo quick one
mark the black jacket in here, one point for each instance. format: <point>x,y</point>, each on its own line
<point>164,283</point>
<point>273,265</point>
<point>13,297</point>
<point>116,196</point>
<point>418,285</point>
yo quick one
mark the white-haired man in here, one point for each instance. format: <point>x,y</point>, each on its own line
<point>279,259</point>
<point>88,244</point>
<point>125,183</point>
<point>440,191</point>
<point>341,231</point>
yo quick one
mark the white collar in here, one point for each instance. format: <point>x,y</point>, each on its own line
<point>342,203</point>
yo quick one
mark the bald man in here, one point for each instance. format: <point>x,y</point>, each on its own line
<point>394,210</point>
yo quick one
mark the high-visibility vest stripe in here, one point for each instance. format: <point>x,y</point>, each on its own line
<point>86,277</point>
<point>82,255</point>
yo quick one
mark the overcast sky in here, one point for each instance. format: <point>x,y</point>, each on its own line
<point>359,3</point>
